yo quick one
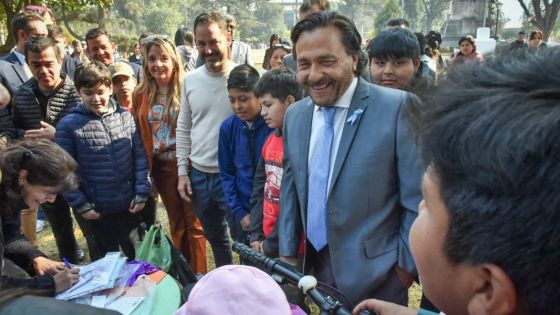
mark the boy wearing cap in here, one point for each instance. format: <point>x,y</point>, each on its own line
<point>124,83</point>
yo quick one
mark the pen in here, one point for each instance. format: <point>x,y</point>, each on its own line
<point>66,263</point>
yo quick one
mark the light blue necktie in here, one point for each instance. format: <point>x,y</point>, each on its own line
<point>318,183</point>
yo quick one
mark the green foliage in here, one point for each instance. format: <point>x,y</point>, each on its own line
<point>162,20</point>
<point>390,10</point>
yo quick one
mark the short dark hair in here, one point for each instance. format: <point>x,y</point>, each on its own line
<point>421,42</point>
<point>211,17</point>
<point>521,33</point>
<point>280,83</point>
<point>490,137</point>
<point>394,42</point>
<point>21,22</point>
<point>349,35</point>
<point>55,30</point>
<point>96,32</point>
<point>89,74</point>
<point>184,37</point>
<point>243,77</point>
<point>39,44</point>
<point>76,42</point>
<point>397,22</point>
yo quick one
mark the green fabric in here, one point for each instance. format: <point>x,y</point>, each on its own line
<point>155,249</point>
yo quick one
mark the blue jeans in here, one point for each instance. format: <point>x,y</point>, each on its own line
<point>211,208</point>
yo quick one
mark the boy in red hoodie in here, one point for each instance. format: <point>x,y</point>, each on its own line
<point>276,90</point>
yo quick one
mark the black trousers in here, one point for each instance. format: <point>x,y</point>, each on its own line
<point>58,215</point>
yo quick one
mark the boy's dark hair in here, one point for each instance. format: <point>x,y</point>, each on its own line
<point>280,83</point>
<point>21,22</point>
<point>243,77</point>
<point>490,138</point>
<point>521,33</point>
<point>211,17</point>
<point>89,74</point>
<point>349,35</point>
<point>96,32</point>
<point>39,44</point>
<point>394,42</point>
<point>433,39</point>
<point>397,22</point>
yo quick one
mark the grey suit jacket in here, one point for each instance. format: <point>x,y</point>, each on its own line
<point>373,195</point>
<point>241,53</point>
<point>12,73</point>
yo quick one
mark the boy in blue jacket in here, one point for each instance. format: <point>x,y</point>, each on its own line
<point>113,167</point>
<point>241,139</point>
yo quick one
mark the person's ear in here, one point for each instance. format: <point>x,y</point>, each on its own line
<point>355,61</point>
<point>495,293</point>
<point>22,177</point>
<point>21,36</point>
<point>416,64</point>
<point>290,99</point>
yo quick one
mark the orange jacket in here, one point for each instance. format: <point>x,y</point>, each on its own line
<point>139,110</point>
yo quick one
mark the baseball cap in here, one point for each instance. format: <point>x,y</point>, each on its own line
<point>121,68</point>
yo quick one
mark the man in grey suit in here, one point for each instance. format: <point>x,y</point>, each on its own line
<point>352,173</point>
<point>13,69</point>
<point>240,52</point>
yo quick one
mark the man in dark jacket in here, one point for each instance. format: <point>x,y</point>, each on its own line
<point>37,107</point>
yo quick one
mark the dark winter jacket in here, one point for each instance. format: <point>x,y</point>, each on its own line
<point>113,167</point>
<point>15,247</point>
<point>239,153</point>
<point>26,110</point>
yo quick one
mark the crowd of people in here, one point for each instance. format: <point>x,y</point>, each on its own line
<point>370,168</point>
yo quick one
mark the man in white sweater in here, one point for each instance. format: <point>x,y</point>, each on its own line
<point>204,105</point>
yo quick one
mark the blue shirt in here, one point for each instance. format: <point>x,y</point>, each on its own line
<point>239,151</point>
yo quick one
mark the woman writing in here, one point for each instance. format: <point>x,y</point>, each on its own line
<point>32,173</point>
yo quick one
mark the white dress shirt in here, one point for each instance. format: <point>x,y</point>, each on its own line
<point>318,124</point>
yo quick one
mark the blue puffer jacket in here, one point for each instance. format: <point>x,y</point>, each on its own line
<point>112,162</point>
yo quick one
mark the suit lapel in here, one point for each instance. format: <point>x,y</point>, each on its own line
<point>18,68</point>
<point>307,120</point>
<point>350,127</point>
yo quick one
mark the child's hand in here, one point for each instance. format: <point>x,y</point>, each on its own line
<point>91,215</point>
<point>257,245</point>
<point>135,207</point>
<point>383,308</point>
<point>246,222</point>
<point>184,187</point>
<point>64,280</point>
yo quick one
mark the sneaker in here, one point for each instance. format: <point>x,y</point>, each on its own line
<point>41,225</point>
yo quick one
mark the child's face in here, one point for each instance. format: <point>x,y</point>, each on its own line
<point>273,110</point>
<point>244,104</point>
<point>445,284</point>
<point>277,57</point>
<point>96,98</point>
<point>393,72</point>
<point>160,65</point>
